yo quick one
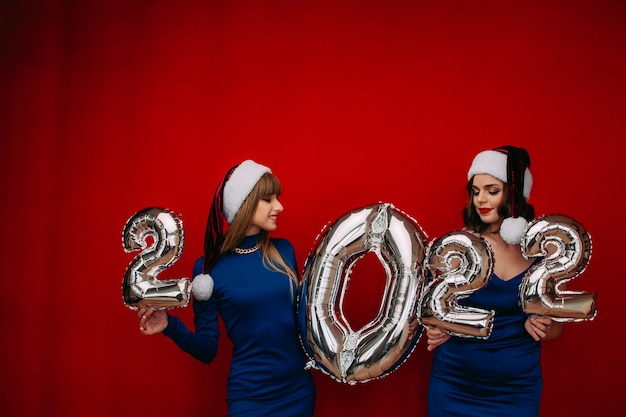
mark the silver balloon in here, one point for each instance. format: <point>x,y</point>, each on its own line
<point>459,263</point>
<point>566,250</point>
<point>140,286</point>
<point>380,346</point>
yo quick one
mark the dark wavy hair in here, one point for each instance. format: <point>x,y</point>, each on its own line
<point>472,219</point>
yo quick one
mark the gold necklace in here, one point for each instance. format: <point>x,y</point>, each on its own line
<point>247,250</point>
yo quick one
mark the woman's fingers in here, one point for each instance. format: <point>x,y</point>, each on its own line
<point>435,338</point>
<point>539,326</point>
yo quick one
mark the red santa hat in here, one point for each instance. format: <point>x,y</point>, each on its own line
<point>238,187</point>
<point>229,196</point>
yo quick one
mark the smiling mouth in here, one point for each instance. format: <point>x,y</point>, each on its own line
<point>484,210</point>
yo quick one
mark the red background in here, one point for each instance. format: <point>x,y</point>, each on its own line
<point>108,107</point>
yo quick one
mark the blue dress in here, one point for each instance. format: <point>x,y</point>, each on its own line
<point>267,373</point>
<point>497,376</point>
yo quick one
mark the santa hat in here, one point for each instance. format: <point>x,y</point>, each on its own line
<point>238,187</point>
<point>229,196</point>
<point>511,166</point>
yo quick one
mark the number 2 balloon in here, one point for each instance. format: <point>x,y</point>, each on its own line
<point>140,286</point>
<point>565,248</point>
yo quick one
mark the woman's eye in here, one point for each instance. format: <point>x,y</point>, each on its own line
<point>270,198</point>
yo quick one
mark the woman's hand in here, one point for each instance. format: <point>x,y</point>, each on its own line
<point>151,321</point>
<point>436,337</point>
<point>542,327</point>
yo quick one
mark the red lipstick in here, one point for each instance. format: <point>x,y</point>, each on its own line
<point>484,210</point>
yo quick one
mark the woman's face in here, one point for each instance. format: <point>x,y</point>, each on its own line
<point>488,197</point>
<point>265,215</point>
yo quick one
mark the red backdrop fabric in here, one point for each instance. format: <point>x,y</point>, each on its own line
<point>111,107</point>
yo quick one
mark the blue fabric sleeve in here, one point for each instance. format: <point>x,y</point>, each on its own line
<point>201,344</point>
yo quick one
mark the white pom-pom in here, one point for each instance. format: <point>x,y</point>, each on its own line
<point>512,229</point>
<point>202,287</point>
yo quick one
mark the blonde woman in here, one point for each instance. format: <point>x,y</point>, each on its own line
<point>250,280</point>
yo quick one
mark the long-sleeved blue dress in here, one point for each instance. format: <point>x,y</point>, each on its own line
<point>267,373</point>
<point>497,376</point>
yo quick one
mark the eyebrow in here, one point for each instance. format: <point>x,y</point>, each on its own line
<point>487,186</point>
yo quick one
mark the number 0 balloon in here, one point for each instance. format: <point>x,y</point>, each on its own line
<point>140,285</point>
<point>359,355</point>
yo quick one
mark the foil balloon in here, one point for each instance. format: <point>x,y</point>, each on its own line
<point>458,263</point>
<point>564,247</point>
<point>159,235</point>
<point>359,355</point>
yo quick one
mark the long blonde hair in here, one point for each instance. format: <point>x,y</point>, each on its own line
<point>268,184</point>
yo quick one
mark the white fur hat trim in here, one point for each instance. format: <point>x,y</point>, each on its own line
<point>512,229</point>
<point>494,163</point>
<point>239,185</point>
<point>202,287</point>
